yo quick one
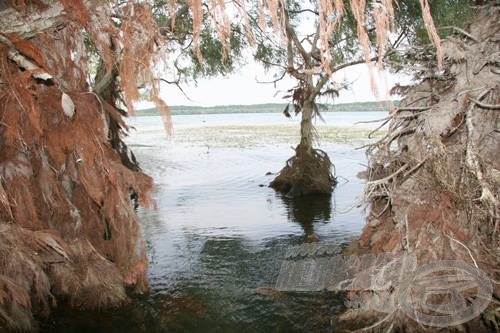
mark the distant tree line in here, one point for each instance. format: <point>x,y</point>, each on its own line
<point>268,108</point>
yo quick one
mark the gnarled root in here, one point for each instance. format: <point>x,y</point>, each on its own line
<point>308,172</point>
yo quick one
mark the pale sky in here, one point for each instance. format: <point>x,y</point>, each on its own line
<point>243,88</point>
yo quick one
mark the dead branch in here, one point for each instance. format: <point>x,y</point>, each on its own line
<point>462,31</point>
<point>373,121</point>
<point>388,178</point>
<point>486,106</point>
<point>378,128</point>
<point>23,62</point>
<point>412,108</point>
<point>400,133</point>
<point>177,84</point>
<point>472,158</point>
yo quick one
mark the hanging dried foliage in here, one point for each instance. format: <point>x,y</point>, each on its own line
<point>431,29</point>
<point>66,218</point>
<point>330,14</point>
<point>383,13</point>
<point>139,38</point>
<point>433,185</point>
<point>197,12</point>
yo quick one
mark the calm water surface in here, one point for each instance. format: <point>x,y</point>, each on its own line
<point>219,233</point>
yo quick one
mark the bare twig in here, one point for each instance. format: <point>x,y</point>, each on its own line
<point>379,127</point>
<point>384,120</point>
<point>462,31</point>
<point>400,133</point>
<point>273,81</point>
<point>386,179</point>
<point>303,11</point>
<point>412,108</point>
<point>177,84</point>
<point>468,250</point>
<point>415,168</point>
<point>373,121</point>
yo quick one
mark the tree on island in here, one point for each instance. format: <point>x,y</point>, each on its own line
<point>318,39</point>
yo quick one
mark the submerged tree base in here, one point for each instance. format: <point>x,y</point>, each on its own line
<point>308,172</point>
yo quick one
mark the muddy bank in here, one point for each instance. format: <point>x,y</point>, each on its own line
<point>433,181</point>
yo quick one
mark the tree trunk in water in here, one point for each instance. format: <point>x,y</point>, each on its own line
<point>68,230</point>
<point>434,191</point>
<point>309,171</point>
<point>306,126</point>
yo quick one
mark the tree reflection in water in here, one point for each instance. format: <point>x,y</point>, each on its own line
<point>307,210</point>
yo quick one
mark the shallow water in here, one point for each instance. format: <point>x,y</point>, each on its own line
<point>219,233</point>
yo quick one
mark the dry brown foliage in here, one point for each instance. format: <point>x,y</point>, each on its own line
<point>433,180</point>
<point>68,231</point>
<point>139,38</point>
<point>330,14</point>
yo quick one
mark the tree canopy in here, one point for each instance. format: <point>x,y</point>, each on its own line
<point>197,37</point>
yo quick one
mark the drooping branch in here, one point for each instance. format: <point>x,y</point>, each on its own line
<point>306,10</point>
<point>326,77</point>
<point>178,85</point>
<point>279,78</point>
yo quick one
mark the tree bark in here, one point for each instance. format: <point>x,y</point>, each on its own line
<point>28,23</point>
<point>306,125</point>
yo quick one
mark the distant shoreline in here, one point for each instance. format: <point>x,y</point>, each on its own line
<point>267,108</point>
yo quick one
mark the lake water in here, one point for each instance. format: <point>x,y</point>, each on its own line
<point>220,234</point>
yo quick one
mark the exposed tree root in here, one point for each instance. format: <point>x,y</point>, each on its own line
<point>308,172</point>
<point>433,179</point>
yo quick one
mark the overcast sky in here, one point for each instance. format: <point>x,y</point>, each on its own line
<point>243,88</point>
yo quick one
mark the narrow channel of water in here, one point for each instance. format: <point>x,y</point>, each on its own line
<point>219,234</point>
